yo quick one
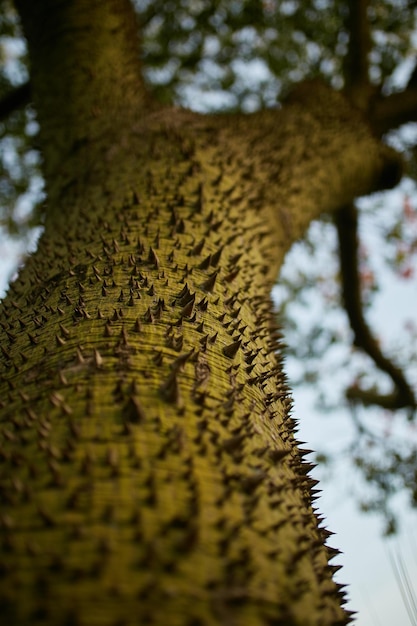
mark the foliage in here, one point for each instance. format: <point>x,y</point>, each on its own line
<point>242,55</point>
<point>20,181</point>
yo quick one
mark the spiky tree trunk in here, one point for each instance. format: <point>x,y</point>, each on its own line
<point>150,473</point>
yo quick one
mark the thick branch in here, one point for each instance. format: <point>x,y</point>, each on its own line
<point>356,61</point>
<point>394,110</point>
<point>402,396</point>
<point>384,113</point>
<point>15,99</point>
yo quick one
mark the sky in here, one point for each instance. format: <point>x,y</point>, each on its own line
<point>367,570</point>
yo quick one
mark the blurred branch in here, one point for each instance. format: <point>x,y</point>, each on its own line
<point>389,112</point>
<point>356,60</point>
<point>15,99</point>
<point>394,110</point>
<point>358,88</point>
<point>402,396</point>
<point>384,112</point>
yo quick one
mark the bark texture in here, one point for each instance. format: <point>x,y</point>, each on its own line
<point>149,468</point>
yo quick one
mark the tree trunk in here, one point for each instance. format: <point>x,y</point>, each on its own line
<point>150,473</point>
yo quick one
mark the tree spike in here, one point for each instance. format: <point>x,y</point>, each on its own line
<point>231,350</point>
<point>153,258</point>
<point>208,285</point>
<point>204,265</point>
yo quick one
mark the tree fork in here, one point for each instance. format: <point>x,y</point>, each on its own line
<point>149,463</point>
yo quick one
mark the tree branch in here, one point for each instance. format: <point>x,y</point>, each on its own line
<point>358,88</point>
<point>15,99</point>
<point>402,396</point>
<point>394,110</point>
<point>384,113</point>
<point>356,61</point>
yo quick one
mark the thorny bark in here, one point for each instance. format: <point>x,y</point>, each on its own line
<point>150,471</point>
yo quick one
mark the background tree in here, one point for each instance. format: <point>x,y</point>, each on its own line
<point>360,93</point>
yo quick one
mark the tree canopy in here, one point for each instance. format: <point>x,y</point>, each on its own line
<point>244,55</point>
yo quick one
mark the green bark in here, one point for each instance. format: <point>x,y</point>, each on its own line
<point>149,468</point>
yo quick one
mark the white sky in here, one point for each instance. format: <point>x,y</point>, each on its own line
<point>367,570</point>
